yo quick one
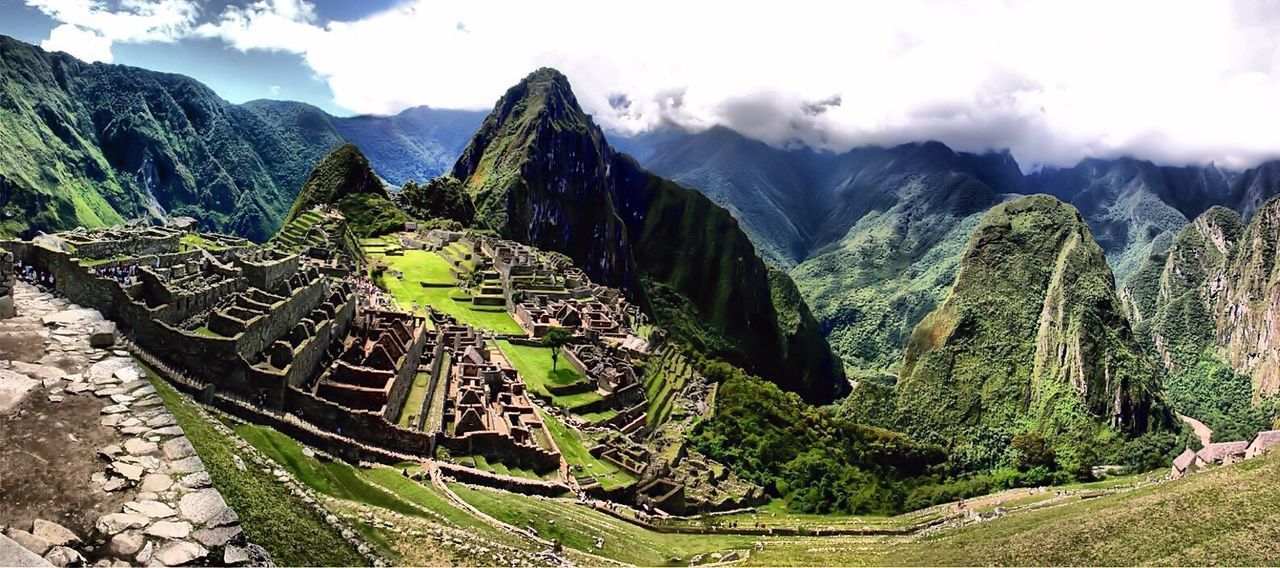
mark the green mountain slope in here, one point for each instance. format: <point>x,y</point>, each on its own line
<point>540,171</point>
<point>345,180</point>
<point>95,144</point>
<point>1032,338</point>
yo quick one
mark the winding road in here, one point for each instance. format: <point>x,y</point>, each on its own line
<point>1203,432</point>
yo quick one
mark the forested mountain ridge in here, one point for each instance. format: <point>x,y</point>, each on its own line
<point>98,144</point>
<point>1032,338</point>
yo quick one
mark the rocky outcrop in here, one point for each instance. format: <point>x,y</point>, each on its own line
<point>1247,302</point>
<point>1032,338</point>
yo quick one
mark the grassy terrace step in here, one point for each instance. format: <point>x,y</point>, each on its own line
<point>582,463</point>
<point>270,514</point>
<point>577,527</point>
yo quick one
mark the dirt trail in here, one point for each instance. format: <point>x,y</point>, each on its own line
<point>1203,432</point>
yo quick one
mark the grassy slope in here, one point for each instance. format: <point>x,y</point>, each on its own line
<point>577,527</point>
<point>1225,516</point>
<point>271,515</point>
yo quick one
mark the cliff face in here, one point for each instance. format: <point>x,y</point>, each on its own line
<point>1247,302</point>
<point>1172,298</point>
<point>1031,338</point>
<point>540,171</point>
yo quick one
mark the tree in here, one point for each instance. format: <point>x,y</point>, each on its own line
<point>1031,450</point>
<point>556,338</point>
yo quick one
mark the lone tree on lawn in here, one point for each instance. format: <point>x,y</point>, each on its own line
<point>556,338</point>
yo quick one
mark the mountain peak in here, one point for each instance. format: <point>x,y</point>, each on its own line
<point>345,171</point>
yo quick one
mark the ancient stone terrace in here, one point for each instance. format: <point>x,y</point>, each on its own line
<point>117,241</point>
<point>485,409</point>
<point>381,354</point>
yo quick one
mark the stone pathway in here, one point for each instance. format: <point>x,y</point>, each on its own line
<point>171,515</point>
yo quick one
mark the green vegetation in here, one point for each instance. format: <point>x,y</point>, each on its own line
<point>664,377</point>
<point>342,173</point>
<point>818,462</point>
<point>369,215</point>
<point>536,368</point>
<point>270,514</point>
<point>420,267</point>
<point>577,527</point>
<point>1208,518</point>
<point>1005,353</point>
<point>496,466</point>
<point>441,198</point>
<point>1170,297</point>
<point>555,340</point>
<point>413,400</point>
<point>580,460</point>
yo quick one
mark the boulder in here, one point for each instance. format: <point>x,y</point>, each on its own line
<point>203,505</point>
<point>180,552</point>
<point>54,533</point>
<point>125,544</point>
<point>152,509</point>
<point>216,537</point>
<point>235,556</point>
<point>139,447</point>
<point>156,482</point>
<point>187,465</point>
<point>116,523</point>
<point>178,448</point>
<point>62,556</point>
<point>197,480</point>
<point>103,335</point>
<point>29,541</point>
<point>172,530</point>
<point>132,472</point>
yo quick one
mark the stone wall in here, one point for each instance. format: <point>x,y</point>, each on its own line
<point>7,282</point>
<point>405,374</point>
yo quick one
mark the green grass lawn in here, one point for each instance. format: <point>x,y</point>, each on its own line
<point>382,487</point>
<point>413,401</point>
<point>420,266</point>
<point>534,366</point>
<point>271,516</point>
<point>776,514</point>
<point>577,527</point>
<point>205,331</point>
<point>489,465</point>
<point>1223,516</point>
<point>575,452</point>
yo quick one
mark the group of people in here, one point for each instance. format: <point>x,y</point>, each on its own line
<point>29,273</point>
<point>122,274</point>
<point>371,295</point>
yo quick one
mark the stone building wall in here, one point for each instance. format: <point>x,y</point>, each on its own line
<point>405,375</point>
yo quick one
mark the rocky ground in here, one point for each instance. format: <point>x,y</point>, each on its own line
<point>93,468</point>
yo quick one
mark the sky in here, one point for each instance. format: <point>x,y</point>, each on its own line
<point>1174,81</point>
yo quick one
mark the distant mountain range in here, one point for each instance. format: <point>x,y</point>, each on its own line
<point>95,144</point>
<point>873,236</point>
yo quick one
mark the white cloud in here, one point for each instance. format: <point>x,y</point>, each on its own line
<point>91,27</point>
<point>79,42</point>
<point>1171,80</point>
